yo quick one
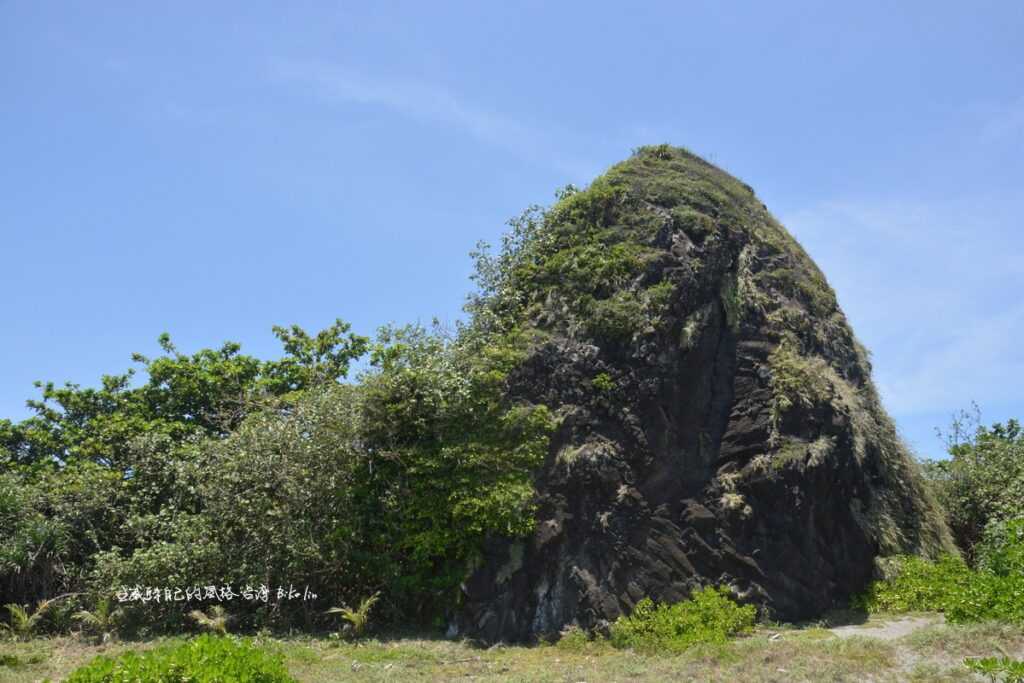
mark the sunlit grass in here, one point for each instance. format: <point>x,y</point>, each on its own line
<point>771,653</point>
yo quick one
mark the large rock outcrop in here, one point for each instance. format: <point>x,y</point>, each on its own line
<point>718,423</point>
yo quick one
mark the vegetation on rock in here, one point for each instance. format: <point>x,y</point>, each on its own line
<point>703,372</point>
<point>650,365</point>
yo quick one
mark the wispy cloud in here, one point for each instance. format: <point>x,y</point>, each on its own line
<point>933,290</point>
<point>429,102</point>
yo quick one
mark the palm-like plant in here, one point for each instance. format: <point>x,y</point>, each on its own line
<point>356,618</point>
<point>215,621</point>
<point>23,623</point>
<point>102,620</point>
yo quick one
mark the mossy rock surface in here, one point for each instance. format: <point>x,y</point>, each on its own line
<point>719,411</point>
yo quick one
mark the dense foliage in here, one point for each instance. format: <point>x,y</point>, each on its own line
<point>982,482</point>
<point>223,470</point>
<point>1001,549</point>
<point>709,616</point>
<point>205,394</point>
<point>965,595</point>
<point>450,462</point>
<point>206,659</point>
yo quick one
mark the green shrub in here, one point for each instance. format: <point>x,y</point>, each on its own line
<point>948,586</point>
<point>603,383</point>
<point>575,639</point>
<point>694,223</point>
<point>709,616</point>
<point>997,668</point>
<point>204,660</point>
<point>914,584</point>
<point>1001,549</point>
<point>449,463</point>
<point>658,299</point>
<point>616,319</point>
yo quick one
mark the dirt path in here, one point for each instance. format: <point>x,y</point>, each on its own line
<point>889,630</point>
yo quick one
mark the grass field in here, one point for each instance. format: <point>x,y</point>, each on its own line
<point>812,653</point>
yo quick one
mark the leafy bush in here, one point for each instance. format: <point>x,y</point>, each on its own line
<point>709,616</point>
<point>1001,549</point>
<point>281,497</point>
<point>989,598</point>
<point>948,586</point>
<point>615,319</point>
<point>997,668</point>
<point>981,488</point>
<point>207,659</point>
<point>914,584</point>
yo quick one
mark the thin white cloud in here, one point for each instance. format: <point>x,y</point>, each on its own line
<point>932,289</point>
<point>428,102</point>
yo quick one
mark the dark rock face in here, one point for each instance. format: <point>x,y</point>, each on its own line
<point>734,436</point>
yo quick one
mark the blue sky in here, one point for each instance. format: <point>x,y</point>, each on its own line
<point>212,169</point>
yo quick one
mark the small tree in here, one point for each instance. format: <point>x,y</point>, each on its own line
<point>102,620</point>
<point>24,622</point>
<point>982,483</point>
<point>357,618</point>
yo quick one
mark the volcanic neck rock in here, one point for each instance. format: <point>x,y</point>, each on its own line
<point>718,420</point>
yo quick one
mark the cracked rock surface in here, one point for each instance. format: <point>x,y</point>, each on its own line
<point>734,437</point>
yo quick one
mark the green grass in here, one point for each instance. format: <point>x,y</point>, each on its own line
<point>770,653</point>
